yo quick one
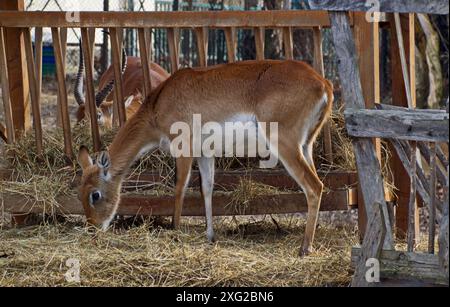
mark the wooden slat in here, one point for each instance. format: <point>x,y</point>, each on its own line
<point>371,247</point>
<point>90,92</point>
<point>63,35</point>
<point>426,154</point>
<point>404,125</point>
<point>38,35</point>
<point>411,238</point>
<point>369,171</point>
<point>34,93</point>
<point>117,64</point>
<point>432,204</point>
<point>210,19</point>
<point>259,42</point>
<point>400,265</point>
<point>143,49</point>
<point>443,231</point>
<point>173,39</point>
<point>62,92</point>
<point>388,6</point>
<point>133,203</point>
<point>443,158</point>
<point>288,43</point>
<point>230,37</point>
<point>4,80</point>
<point>202,45</point>
<point>318,65</point>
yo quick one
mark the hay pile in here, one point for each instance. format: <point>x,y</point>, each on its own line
<point>248,253</point>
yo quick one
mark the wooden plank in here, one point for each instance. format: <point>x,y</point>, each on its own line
<point>62,92</point>
<point>288,43</point>
<point>34,92</point>
<point>412,223</point>
<point>401,265</point>
<point>210,19</point>
<point>202,45</point>
<point>370,176</point>
<point>371,247</point>
<point>426,154</point>
<point>38,39</point>
<point>117,64</point>
<point>319,67</point>
<point>259,42</point>
<point>63,35</point>
<point>404,125</point>
<point>144,51</point>
<point>4,82</point>
<point>388,6</point>
<point>230,37</point>
<point>17,71</point>
<point>432,204</point>
<point>443,232</point>
<point>133,203</point>
<point>90,92</point>
<point>173,39</point>
<point>3,133</point>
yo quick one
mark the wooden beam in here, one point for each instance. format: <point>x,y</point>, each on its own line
<point>34,92</point>
<point>174,41</point>
<point>400,174</point>
<point>406,266</point>
<point>202,45</point>
<point>133,204</point>
<point>371,247</point>
<point>230,37</point>
<point>144,51</point>
<point>260,42</point>
<point>17,70</point>
<point>370,177</point>
<point>4,82</point>
<point>288,43</point>
<point>62,92</point>
<point>404,125</point>
<point>388,6</point>
<point>38,39</point>
<point>210,19</point>
<point>116,51</point>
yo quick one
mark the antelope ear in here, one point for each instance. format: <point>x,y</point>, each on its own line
<point>128,101</point>
<point>104,162</point>
<point>83,157</point>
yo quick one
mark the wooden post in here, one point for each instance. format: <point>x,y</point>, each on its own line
<point>399,98</point>
<point>173,37</point>
<point>202,45</point>
<point>260,42</point>
<point>117,64</point>
<point>288,43</point>
<point>63,35</point>
<point>367,45</point>
<point>4,81</point>
<point>230,37</point>
<point>144,51</point>
<point>17,71</point>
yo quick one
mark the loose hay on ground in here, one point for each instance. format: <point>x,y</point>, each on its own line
<point>148,256</point>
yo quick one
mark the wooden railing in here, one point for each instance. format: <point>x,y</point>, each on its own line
<point>200,22</point>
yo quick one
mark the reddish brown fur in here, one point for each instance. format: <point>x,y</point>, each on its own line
<point>133,84</point>
<point>287,92</point>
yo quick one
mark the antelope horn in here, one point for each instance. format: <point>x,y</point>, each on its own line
<point>107,89</point>
<point>78,86</point>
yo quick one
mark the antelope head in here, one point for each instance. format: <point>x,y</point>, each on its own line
<point>99,192</point>
<point>103,108</point>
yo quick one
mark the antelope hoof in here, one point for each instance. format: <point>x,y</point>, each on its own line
<point>305,251</point>
<point>211,237</point>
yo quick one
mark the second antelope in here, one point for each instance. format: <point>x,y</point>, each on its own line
<point>289,93</point>
<point>133,85</point>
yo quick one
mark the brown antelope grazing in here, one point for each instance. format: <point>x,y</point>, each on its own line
<point>133,84</point>
<point>289,93</point>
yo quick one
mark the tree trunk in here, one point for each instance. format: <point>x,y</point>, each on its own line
<point>433,61</point>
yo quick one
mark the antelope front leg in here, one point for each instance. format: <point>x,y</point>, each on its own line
<point>183,171</point>
<point>206,168</point>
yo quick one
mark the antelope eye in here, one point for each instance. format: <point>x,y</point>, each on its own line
<point>95,197</point>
